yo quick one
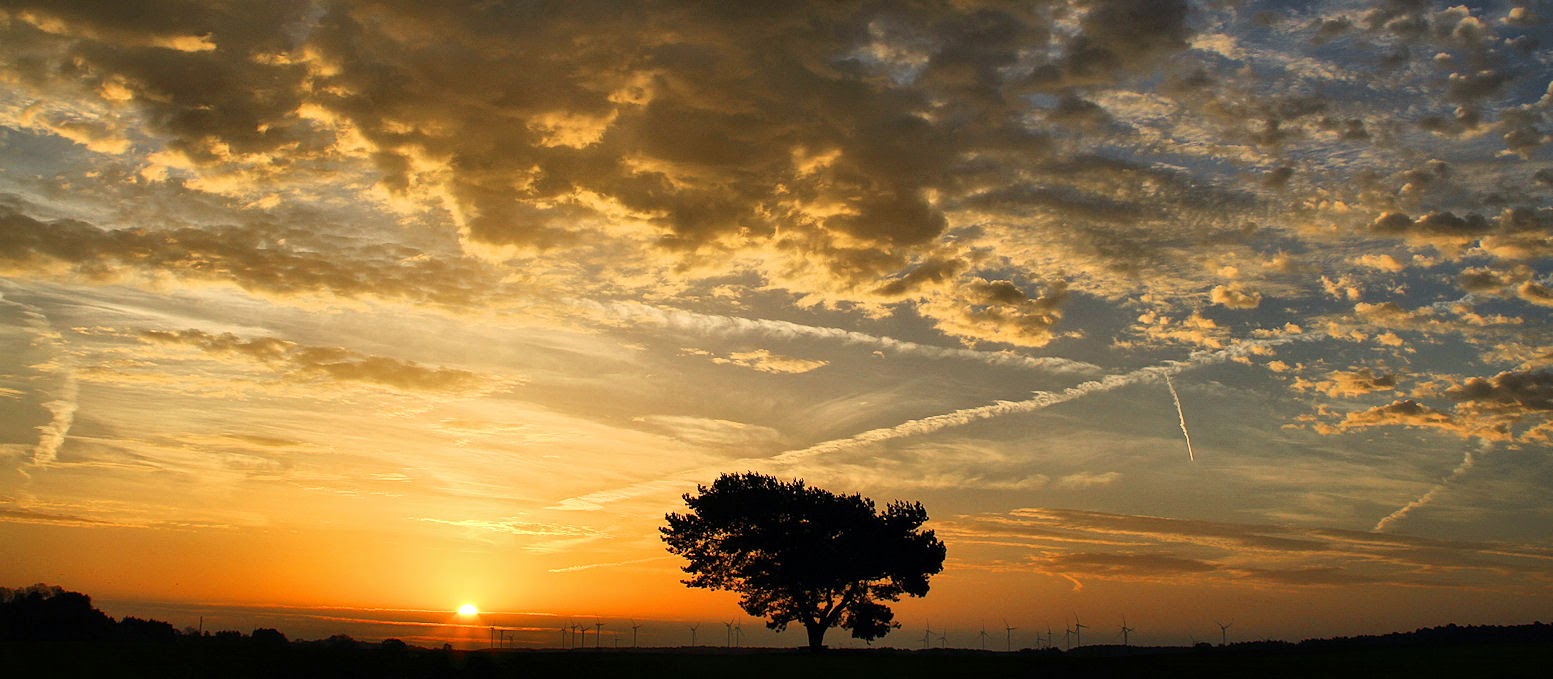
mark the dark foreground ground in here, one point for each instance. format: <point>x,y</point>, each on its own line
<point>1503,658</point>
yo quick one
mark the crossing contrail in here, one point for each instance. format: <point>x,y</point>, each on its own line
<point>1177,398</point>
<point>922,426</point>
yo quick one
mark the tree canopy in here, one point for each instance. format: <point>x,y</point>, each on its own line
<point>805,555</point>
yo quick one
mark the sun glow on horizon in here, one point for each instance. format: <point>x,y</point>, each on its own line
<point>403,351</point>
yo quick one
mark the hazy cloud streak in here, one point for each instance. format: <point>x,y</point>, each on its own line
<point>720,325</point>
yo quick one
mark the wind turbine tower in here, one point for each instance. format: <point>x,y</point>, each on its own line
<point>983,637</point>
<point>1008,636</point>
<point>1078,631</point>
<point>634,628</point>
<point>598,634</point>
<point>1125,630</point>
<point>1224,632</point>
<point>693,629</point>
<point>927,636</point>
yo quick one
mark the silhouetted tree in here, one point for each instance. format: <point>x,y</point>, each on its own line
<point>49,613</point>
<point>805,555</point>
<point>269,637</point>
<point>150,631</point>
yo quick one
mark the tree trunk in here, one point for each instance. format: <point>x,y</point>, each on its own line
<point>816,636</point>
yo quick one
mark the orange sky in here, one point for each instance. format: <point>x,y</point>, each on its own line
<point>1178,311</point>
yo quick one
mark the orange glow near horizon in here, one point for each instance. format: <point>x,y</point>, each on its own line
<point>1173,310</point>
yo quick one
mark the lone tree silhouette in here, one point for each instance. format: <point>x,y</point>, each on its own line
<point>805,555</point>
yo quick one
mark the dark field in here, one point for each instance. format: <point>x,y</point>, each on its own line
<point>205,658</point>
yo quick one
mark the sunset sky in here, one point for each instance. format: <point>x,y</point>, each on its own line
<point>1178,311</point>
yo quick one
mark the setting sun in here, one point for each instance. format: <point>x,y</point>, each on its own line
<point>468,609</point>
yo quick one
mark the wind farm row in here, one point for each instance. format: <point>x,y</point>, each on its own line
<point>601,634</point>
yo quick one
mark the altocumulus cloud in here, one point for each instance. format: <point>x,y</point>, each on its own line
<point>983,165</point>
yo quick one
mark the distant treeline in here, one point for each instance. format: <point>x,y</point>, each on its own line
<point>47,613</point>
<point>48,631</point>
<point>1537,632</point>
<point>51,613</point>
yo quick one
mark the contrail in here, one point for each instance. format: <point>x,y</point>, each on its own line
<point>1467,462</point>
<point>62,408</point>
<point>1177,398</point>
<point>734,325</point>
<point>51,436</point>
<point>1040,400</point>
<point>926,425</point>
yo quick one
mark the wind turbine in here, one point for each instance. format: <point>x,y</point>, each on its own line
<point>1125,630</point>
<point>563,636</point>
<point>728,634</point>
<point>1067,637</point>
<point>983,637</point>
<point>583,631</point>
<point>943,638</point>
<point>634,628</point>
<point>693,629</point>
<point>598,634</point>
<point>1008,636</point>
<point>927,636</point>
<point>1051,637</point>
<point>738,634</point>
<point>1223,632</point>
<point>1078,631</point>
